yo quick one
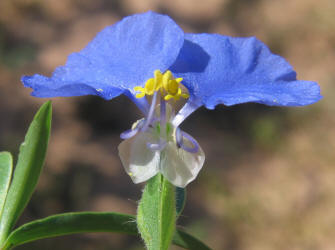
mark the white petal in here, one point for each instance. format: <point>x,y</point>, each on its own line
<point>179,166</point>
<point>139,162</point>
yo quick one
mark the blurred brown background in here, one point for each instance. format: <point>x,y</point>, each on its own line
<point>268,181</point>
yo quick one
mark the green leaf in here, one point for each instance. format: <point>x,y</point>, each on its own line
<point>72,223</point>
<point>187,241</point>
<point>6,168</point>
<point>27,170</point>
<point>180,200</point>
<point>156,214</point>
<point>87,222</point>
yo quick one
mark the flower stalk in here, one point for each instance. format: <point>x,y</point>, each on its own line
<point>156,213</point>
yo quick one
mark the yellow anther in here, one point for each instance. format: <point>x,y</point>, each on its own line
<point>176,96</point>
<point>185,96</point>
<point>150,87</point>
<point>167,77</point>
<point>158,79</point>
<point>169,86</point>
<point>172,87</point>
<point>141,90</point>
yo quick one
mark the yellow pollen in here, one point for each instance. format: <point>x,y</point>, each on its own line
<point>169,86</point>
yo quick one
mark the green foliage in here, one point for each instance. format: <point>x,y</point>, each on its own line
<point>27,170</point>
<point>71,223</point>
<point>156,215</point>
<point>180,200</point>
<point>88,222</point>
<point>6,167</point>
<point>187,241</point>
<point>156,212</point>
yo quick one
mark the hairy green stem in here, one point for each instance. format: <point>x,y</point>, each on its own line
<point>156,214</point>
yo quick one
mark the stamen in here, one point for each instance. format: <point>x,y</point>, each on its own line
<point>179,138</point>
<point>183,113</point>
<point>168,86</point>
<point>133,131</point>
<point>128,133</point>
<point>150,116</point>
<point>157,146</point>
<point>141,103</point>
<point>162,112</point>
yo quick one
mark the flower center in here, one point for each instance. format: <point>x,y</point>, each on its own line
<point>158,119</point>
<point>168,86</point>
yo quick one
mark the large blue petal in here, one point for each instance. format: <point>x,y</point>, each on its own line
<point>120,57</point>
<point>239,70</point>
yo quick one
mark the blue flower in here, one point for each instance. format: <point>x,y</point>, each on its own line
<point>148,58</point>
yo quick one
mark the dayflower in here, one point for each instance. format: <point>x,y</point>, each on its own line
<point>148,58</point>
